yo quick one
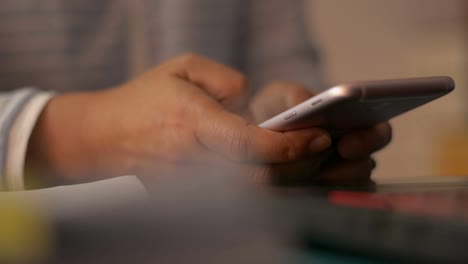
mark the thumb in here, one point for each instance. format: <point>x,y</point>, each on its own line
<point>230,135</point>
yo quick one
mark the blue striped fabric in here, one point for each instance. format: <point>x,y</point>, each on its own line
<point>85,44</point>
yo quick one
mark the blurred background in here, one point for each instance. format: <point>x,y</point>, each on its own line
<point>366,39</point>
<point>359,40</point>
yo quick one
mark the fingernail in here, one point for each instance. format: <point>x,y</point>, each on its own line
<point>320,143</point>
<point>352,148</point>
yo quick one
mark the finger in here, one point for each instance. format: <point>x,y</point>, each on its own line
<point>288,94</point>
<point>297,95</point>
<point>363,143</point>
<point>219,81</point>
<point>313,170</point>
<point>348,172</point>
<point>230,135</point>
<point>276,98</point>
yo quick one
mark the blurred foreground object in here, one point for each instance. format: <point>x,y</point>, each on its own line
<point>217,218</point>
<point>25,233</point>
<point>197,219</point>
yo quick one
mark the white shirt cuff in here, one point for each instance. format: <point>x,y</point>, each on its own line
<point>18,140</point>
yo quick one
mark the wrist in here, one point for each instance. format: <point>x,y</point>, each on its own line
<point>61,148</point>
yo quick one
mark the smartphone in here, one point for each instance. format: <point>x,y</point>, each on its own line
<point>361,104</point>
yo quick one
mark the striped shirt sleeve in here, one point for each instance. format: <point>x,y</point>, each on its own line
<point>18,140</point>
<point>11,106</point>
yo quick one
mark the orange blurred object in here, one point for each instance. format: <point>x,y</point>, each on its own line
<point>453,154</point>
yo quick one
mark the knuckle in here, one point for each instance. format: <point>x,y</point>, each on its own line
<point>239,145</point>
<point>277,83</point>
<point>240,83</point>
<point>188,58</point>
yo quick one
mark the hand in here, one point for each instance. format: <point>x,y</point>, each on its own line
<point>172,119</point>
<point>354,148</point>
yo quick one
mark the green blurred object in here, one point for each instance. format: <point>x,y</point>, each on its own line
<point>25,233</point>
<point>336,257</point>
